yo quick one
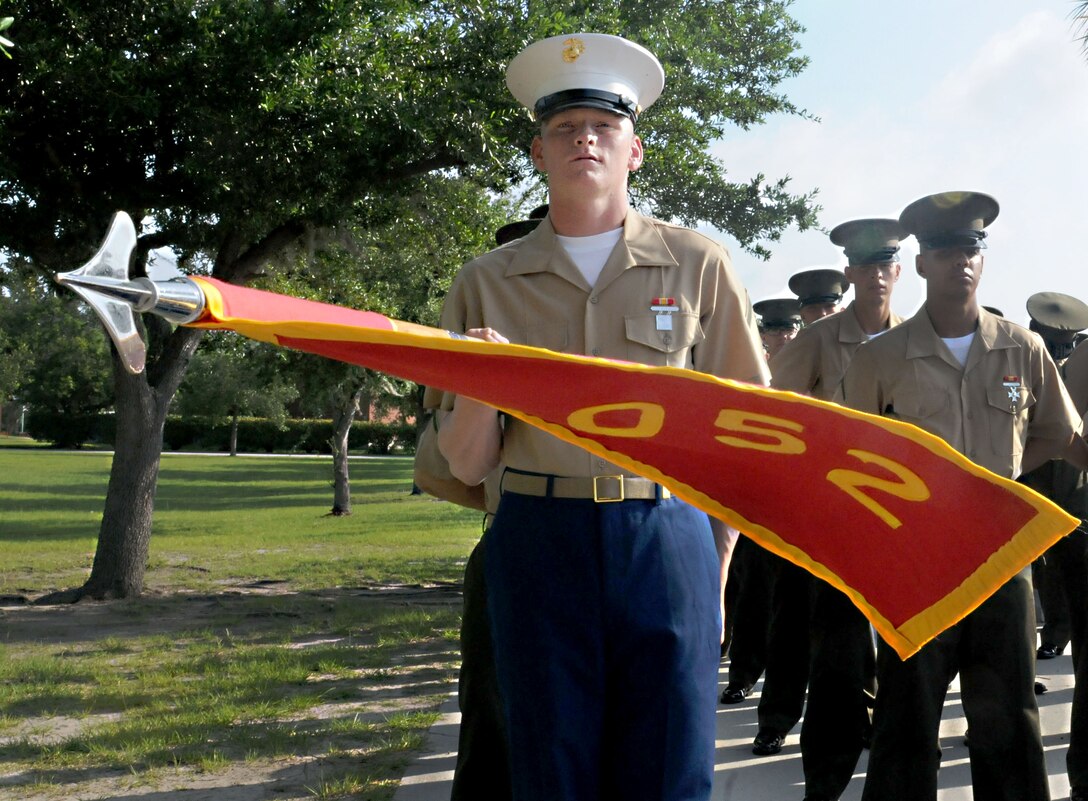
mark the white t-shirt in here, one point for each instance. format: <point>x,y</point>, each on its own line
<point>590,253</point>
<point>959,346</point>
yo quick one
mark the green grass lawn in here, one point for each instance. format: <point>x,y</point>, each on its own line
<point>261,651</point>
<point>222,521</point>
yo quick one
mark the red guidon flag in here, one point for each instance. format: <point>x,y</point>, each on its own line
<point>912,531</point>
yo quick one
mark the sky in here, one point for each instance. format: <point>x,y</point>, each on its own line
<point>925,97</point>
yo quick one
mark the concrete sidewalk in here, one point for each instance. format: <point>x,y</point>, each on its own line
<point>741,776</point>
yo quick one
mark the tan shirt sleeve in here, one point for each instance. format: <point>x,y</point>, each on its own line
<point>731,347</point>
<point>861,387</point>
<point>797,366</point>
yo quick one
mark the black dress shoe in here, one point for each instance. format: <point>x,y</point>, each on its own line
<point>1078,794</point>
<point>734,695</point>
<point>1040,688</point>
<point>1048,650</point>
<point>767,743</point>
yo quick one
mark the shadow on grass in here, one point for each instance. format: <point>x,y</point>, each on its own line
<point>210,497</point>
<point>386,754</point>
<point>226,679</point>
<point>273,485</point>
<point>381,765</point>
<point>383,609</point>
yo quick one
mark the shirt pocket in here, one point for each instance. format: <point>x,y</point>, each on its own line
<point>999,399</point>
<point>550,336</point>
<point>1008,421</point>
<point>647,344</point>
<point>923,409</point>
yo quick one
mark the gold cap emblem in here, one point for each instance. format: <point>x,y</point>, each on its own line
<point>572,49</point>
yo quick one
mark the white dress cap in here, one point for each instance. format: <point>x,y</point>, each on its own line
<point>582,70</point>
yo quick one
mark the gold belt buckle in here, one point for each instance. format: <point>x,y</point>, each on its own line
<point>597,498</point>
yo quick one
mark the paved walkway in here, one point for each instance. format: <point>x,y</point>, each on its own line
<point>741,776</point>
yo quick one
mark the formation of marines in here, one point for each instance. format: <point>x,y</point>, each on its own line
<point>961,371</point>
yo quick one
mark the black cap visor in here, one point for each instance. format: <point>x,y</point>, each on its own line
<point>883,256</point>
<point>780,325</point>
<point>960,238</point>
<point>585,98</point>
<point>811,299</point>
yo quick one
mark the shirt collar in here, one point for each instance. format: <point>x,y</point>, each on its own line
<point>923,340</point>
<point>640,246</point>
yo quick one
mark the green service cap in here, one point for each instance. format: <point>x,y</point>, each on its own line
<point>1058,311</point>
<point>778,313</point>
<point>869,241</point>
<point>819,286</point>
<point>949,219</point>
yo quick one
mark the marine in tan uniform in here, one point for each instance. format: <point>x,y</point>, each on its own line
<point>819,292</point>
<point>1057,318</point>
<point>1071,556</point>
<point>816,361</point>
<point>841,670</point>
<point>988,388</point>
<point>752,569</point>
<point>482,769</point>
<point>779,322</point>
<point>604,591</point>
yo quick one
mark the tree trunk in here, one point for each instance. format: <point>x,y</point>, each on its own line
<point>234,434</point>
<point>124,538</point>
<point>341,483</point>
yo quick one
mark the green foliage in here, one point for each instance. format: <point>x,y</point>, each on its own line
<point>228,120</point>
<point>231,376</point>
<point>366,134</point>
<point>235,129</point>
<point>63,430</point>
<point>15,360</point>
<point>5,43</point>
<point>256,435</point>
<point>402,262</point>
<point>54,357</point>
<point>401,267</point>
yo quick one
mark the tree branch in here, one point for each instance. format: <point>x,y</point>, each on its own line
<point>256,256</point>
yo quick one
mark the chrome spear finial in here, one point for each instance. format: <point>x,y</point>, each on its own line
<point>105,284</point>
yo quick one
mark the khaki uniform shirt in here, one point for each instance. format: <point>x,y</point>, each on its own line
<point>1058,480</point>
<point>1008,391</point>
<point>816,360</point>
<point>532,293</point>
